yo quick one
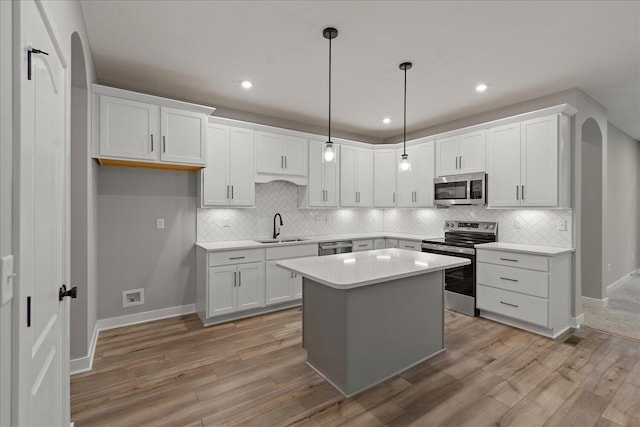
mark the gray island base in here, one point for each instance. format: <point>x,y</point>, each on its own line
<point>368,316</point>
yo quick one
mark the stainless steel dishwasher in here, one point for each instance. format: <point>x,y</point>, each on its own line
<point>332,248</point>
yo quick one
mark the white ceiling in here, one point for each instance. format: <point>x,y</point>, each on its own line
<point>201,50</point>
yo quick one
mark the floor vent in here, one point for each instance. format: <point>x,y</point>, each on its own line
<point>573,340</point>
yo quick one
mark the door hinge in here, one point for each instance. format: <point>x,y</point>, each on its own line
<point>31,51</point>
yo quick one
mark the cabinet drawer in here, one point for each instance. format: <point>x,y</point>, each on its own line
<point>409,245</point>
<point>522,307</point>
<point>391,243</point>
<point>362,245</point>
<point>514,259</point>
<point>529,282</point>
<point>235,257</point>
<point>294,251</point>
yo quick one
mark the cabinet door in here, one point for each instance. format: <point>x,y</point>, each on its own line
<point>250,286</point>
<point>278,284</point>
<point>330,177</point>
<point>315,181</point>
<point>242,167</point>
<point>425,171</point>
<point>539,167</point>
<point>447,152</point>
<point>379,244</point>
<point>269,153</point>
<point>297,286</point>
<point>221,283</point>
<point>348,169</point>
<point>295,153</point>
<point>503,155</point>
<point>384,178</point>
<point>184,135</point>
<point>129,129</point>
<point>215,177</point>
<point>364,174</point>
<point>407,180</point>
<point>472,152</point>
<point>391,243</point>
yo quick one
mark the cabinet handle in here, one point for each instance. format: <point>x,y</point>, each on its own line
<point>522,192</point>
<point>227,191</point>
<point>164,144</point>
<point>410,247</point>
<point>239,278</point>
<point>234,279</point>
<point>517,192</point>
<point>236,257</point>
<point>510,305</point>
<point>508,279</point>
<point>394,197</point>
<point>362,246</point>
<point>460,162</point>
<point>509,259</point>
<point>152,143</point>
<point>232,192</point>
<point>285,162</point>
<point>281,162</point>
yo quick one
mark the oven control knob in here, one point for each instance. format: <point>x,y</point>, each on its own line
<point>486,226</point>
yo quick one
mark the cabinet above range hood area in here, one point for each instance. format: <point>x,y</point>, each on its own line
<point>132,129</point>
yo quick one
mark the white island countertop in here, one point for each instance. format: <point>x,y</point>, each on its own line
<point>352,270</point>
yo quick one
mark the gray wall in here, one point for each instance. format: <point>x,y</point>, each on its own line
<point>132,253</point>
<point>6,203</point>
<point>621,225</point>
<point>591,229</point>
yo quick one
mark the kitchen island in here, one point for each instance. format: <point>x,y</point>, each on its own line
<point>368,316</point>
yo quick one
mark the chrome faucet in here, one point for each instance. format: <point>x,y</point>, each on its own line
<point>274,225</point>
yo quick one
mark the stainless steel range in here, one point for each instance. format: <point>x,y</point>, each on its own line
<point>460,238</point>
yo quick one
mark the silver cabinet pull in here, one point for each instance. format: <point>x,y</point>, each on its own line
<point>239,278</point>
<point>232,192</point>
<point>460,162</point>
<point>236,257</point>
<point>152,143</point>
<point>285,162</point>
<point>394,197</point>
<point>362,245</point>
<point>508,279</point>
<point>509,259</point>
<point>522,192</point>
<point>164,144</point>
<point>227,192</point>
<point>408,246</point>
<point>234,279</point>
<point>517,192</point>
<point>510,305</point>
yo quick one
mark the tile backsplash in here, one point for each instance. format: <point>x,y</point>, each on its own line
<point>537,227</point>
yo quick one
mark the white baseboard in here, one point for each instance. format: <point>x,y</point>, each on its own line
<point>622,279</point>
<point>576,322</point>
<point>84,364</point>
<point>145,316</point>
<point>594,302</point>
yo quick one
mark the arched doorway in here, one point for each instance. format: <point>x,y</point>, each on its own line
<point>591,209</point>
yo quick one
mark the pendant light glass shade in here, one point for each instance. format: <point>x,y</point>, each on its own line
<point>329,153</point>
<point>405,163</point>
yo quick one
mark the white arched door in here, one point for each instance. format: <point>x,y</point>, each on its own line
<point>42,242</point>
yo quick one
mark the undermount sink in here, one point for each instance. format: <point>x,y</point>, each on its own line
<point>280,240</point>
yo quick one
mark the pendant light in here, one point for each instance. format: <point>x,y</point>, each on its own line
<point>329,152</point>
<point>405,163</point>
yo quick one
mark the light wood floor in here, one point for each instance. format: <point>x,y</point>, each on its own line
<point>174,372</point>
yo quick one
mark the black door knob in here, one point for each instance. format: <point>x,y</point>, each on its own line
<point>64,292</point>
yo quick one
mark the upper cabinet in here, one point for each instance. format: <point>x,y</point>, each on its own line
<point>461,154</point>
<point>147,131</point>
<point>228,179</point>
<point>415,187</point>
<point>385,165</point>
<point>280,156</point>
<point>528,163</point>
<point>322,184</point>
<point>356,177</point>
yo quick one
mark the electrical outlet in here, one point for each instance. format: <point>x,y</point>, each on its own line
<point>516,224</point>
<point>160,223</point>
<point>225,222</point>
<point>562,225</point>
<point>133,297</point>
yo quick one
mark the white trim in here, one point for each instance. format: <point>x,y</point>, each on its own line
<point>576,322</point>
<point>594,302</point>
<point>84,364</point>
<point>517,323</point>
<point>145,316</point>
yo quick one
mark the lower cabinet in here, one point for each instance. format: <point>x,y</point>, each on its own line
<point>234,288</point>
<point>529,291</point>
<point>282,285</point>
<point>362,245</point>
<point>391,243</point>
<point>410,245</point>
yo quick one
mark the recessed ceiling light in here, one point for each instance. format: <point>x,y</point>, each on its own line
<point>246,84</point>
<point>481,87</point>
<point>386,120</point>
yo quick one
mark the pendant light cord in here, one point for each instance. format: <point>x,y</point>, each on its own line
<point>329,90</point>
<point>404,130</point>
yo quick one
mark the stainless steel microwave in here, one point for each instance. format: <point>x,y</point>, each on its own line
<point>469,189</point>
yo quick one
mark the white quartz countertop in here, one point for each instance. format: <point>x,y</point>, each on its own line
<point>352,270</point>
<point>525,249</point>
<point>252,244</point>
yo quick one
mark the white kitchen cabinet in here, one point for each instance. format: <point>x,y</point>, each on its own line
<point>282,285</point>
<point>391,243</point>
<point>228,179</point>
<point>529,291</point>
<point>323,182</point>
<point>356,177</point>
<point>528,163</point>
<point>415,187</point>
<point>379,244</point>
<point>461,154</point>
<point>385,165</point>
<point>278,154</point>
<point>362,245</point>
<point>150,134</point>
<point>410,245</point>
<point>234,288</point>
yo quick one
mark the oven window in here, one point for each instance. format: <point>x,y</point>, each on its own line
<point>451,190</point>
<point>476,189</point>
